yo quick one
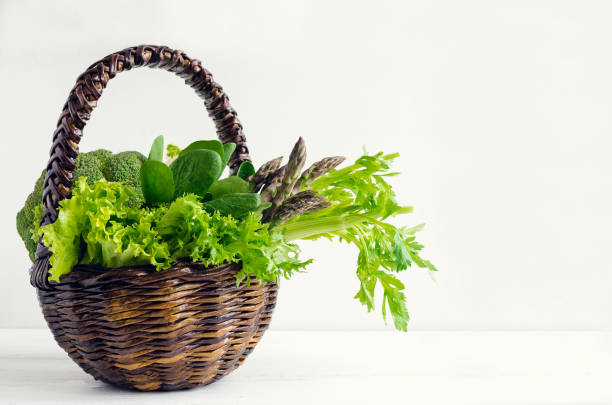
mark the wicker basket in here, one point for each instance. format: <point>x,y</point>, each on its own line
<point>135,327</point>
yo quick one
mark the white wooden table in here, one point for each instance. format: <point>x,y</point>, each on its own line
<point>347,368</point>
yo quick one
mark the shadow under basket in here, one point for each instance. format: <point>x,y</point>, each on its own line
<point>134,327</point>
<point>142,329</point>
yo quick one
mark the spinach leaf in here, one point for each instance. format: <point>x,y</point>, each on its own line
<point>229,185</point>
<point>194,171</point>
<point>157,149</point>
<point>156,181</point>
<point>246,170</point>
<point>228,149</point>
<point>237,205</point>
<point>213,145</point>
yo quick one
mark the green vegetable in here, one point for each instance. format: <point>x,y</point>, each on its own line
<point>26,217</point>
<point>194,171</point>
<point>172,151</point>
<point>361,202</point>
<point>246,170</point>
<point>96,227</point>
<point>228,149</point>
<point>272,182</point>
<point>155,176</point>
<point>157,149</point>
<point>299,204</point>
<point>213,145</point>
<point>157,182</point>
<point>95,165</point>
<point>91,165</point>
<point>259,178</point>
<point>237,205</point>
<point>228,185</point>
<point>297,158</point>
<point>124,167</point>
<point>315,170</point>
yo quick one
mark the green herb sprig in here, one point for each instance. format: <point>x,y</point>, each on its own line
<point>361,200</point>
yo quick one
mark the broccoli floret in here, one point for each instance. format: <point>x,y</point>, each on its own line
<point>124,167</point>
<point>90,165</point>
<point>95,165</point>
<point>25,217</point>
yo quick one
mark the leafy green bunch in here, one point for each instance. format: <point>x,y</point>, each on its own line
<point>196,170</point>
<point>97,227</point>
<point>95,165</point>
<point>361,202</point>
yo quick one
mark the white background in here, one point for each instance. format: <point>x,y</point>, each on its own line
<point>501,111</point>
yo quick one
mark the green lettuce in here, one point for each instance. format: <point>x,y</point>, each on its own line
<point>96,227</point>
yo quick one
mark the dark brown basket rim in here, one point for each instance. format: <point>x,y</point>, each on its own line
<point>89,275</point>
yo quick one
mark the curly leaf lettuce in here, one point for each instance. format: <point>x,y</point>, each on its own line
<point>95,227</point>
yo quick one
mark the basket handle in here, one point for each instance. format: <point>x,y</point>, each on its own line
<point>83,99</point>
